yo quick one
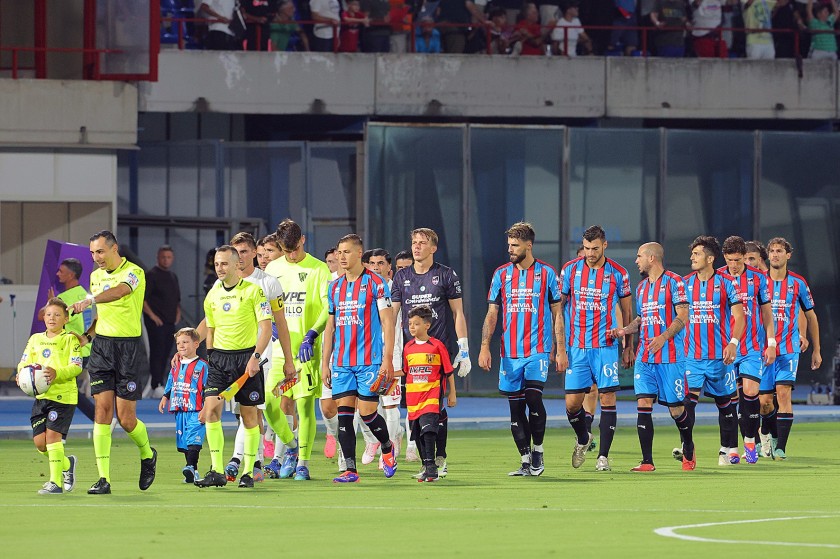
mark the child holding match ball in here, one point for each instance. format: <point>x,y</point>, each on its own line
<point>59,356</point>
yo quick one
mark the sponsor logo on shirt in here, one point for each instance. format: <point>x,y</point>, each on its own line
<point>132,280</point>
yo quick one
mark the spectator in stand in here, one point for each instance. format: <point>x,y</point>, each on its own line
<point>258,15</point>
<point>427,8</point>
<point>427,38</point>
<point>377,36</point>
<point>706,20</point>
<point>568,32</point>
<point>528,31</point>
<point>668,14</point>
<point>219,36</point>
<point>457,13</point>
<point>327,15</point>
<point>286,34</point>
<point>501,34</point>
<point>352,20</point>
<point>401,22</point>
<point>161,313</point>
<point>821,23</point>
<point>785,18</point>
<point>758,14</point>
<point>550,12</point>
<point>624,35</point>
<point>477,34</point>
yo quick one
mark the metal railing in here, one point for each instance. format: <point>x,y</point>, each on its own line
<point>91,64</point>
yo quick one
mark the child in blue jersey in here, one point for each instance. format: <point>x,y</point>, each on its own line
<point>184,396</point>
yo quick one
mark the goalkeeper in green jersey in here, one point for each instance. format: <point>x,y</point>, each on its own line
<point>58,353</point>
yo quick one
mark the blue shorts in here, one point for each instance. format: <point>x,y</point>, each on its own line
<point>355,381</point>
<point>515,372</point>
<point>597,364</point>
<point>749,366</point>
<point>189,431</point>
<point>664,381</point>
<point>711,375</point>
<point>781,371</point>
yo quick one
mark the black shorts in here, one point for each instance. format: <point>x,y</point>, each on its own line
<point>48,414</point>
<point>113,365</point>
<point>426,423</point>
<point>226,367</point>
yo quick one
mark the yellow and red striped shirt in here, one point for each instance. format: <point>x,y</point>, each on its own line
<point>426,364</point>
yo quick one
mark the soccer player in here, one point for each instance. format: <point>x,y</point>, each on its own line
<point>117,287</point>
<point>593,287</point>
<point>306,280</point>
<point>237,314</point>
<point>403,259</point>
<point>425,365</point>
<point>789,292</point>
<point>756,256</point>
<point>360,329</point>
<point>427,282</point>
<point>662,309</point>
<point>183,395</point>
<point>246,247</point>
<point>59,355</point>
<point>713,336</point>
<point>527,293</point>
<point>758,345</point>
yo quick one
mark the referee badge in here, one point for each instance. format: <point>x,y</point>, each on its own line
<point>46,353</point>
<point>132,386</point>
<point>53,415</point>
<point>226,307</point>
<point>254,396</point>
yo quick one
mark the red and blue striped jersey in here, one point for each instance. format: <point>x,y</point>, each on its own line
<point>358,330</point>
<point>752,285</point>
<point>709,326</point>
<point>525,298</point>
<point>787,296</point>
<point>185,385</point>
<point>593,296</point>
<point>656,305</point>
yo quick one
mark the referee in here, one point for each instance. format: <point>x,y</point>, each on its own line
<point>117,288</point>
<point>237,314</point>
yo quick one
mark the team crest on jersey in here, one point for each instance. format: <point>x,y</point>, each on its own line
<point>435,280</point>
<point>254,396</point>
<point>53,415</point>
<point>46,353</point>
<point>430,358</point>
<point>132,386</point>
<point>790,289</point>
<point>132,280</point>
<point>302,276</point>
<point>226,307</point>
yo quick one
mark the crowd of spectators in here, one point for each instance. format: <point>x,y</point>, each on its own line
<point>758,29</point>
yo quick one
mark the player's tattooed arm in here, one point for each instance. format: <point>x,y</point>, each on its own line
<point>631,328</point>
<point>679,321</point>
<point>561,358</point>
<point>484,359</point>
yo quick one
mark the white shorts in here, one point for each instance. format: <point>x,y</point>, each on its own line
<point>326,392</point>
<point>392,399</point>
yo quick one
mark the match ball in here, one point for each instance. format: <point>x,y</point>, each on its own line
<point>32,380</point>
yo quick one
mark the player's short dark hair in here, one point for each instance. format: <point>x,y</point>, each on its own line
<point>522,231</point>
<point>329,251</point>
<point>423,312</point>
<point>109,237</point>
<point>381,252</point>
<point>734,245</point>
<point>289,234</point>
<point>353,239</point>
<point>191,332</point>
<point>757,246</point>
<point>710,245</point>
<point>243,237</point>
<point>227,248</point>
<point>426,232</point>
<point>73,265</point>
<point>594,232</point>
<point>404,255</point>
<point>366,256</point>
<point>271,239</point>
<point>165,248</point>
<point>780,241</point>
<point>56,302</point>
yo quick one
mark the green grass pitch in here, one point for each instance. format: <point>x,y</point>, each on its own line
<point>771,509</point>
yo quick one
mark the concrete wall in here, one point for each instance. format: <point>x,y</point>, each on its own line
<point>490,86</point>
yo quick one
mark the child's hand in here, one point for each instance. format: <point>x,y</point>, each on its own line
<point>49,373</point>
<point>162,404</point>
<point>452,400</point>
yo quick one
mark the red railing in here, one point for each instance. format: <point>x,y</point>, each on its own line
<point>94,54</point>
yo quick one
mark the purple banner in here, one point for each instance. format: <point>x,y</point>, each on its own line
<point>55,252</point>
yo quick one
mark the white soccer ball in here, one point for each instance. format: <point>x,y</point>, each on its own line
<point>32,380</point>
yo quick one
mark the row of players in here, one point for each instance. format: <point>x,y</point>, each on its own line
<point>358,323</point>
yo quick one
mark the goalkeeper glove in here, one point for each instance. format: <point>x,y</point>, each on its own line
<point>306,351</point>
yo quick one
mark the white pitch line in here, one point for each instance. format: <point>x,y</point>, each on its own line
<point>671,532</point>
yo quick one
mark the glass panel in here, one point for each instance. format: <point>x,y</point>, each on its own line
<point>515,176</point>
<point>798,200</point>
<point>123,25</point>
<point>708,191</point>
